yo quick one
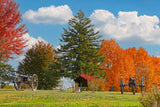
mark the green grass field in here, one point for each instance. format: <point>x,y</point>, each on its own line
<point>52,98</point>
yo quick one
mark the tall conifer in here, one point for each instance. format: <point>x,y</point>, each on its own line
<point>80,47</point>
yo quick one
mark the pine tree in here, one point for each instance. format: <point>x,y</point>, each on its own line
<point>80,49</point>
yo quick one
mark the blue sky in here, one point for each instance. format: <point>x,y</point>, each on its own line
<point>132,23</point>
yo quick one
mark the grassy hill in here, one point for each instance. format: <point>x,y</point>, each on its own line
<point>52,98</point>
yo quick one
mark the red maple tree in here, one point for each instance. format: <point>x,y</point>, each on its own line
<point>11,33</point>
<point>89,76</point>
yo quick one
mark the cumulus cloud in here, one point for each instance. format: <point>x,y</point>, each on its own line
<point>57,47</point>
<point>31,41</point>
<point>127,26</point>
<point>49,15</point>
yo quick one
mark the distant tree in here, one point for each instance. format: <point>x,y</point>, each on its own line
<point>6,74</point>
<point>40,60</point>
<point>80,47</point>
<point>11,36</point>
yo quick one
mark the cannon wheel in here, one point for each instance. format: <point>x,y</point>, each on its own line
<point>122,89</point>
<point>34,83</point>
<point>121,85</point>
<point>17,83</point>
<point>142,85</point>
<point>133,89</point>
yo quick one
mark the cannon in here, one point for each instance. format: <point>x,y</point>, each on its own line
<point>132,83</point>
<point>32,81</point>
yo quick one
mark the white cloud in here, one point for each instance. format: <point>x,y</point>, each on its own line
<point>127,25</point>
<point>49,15</point>
<point>31,41</point>
<point>57,47</point>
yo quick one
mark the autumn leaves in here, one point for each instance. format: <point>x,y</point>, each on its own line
<point>11,36</point>
<point>128,63</point>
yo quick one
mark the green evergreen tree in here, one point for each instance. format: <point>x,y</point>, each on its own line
<point>80,48</point>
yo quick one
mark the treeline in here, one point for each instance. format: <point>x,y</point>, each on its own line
<point>131,62</point>
<point>82,52</point>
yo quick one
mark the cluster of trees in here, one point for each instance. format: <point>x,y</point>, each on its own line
<point>131,62</point>
<point>81,53</point>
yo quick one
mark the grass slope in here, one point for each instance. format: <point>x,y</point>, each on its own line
<point>52,98</point>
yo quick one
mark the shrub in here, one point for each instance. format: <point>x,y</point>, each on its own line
<point>8,87</point>
<point>70,89</point>
<point>97,84</point>
<point>76,86</point>
<point>151,98</point>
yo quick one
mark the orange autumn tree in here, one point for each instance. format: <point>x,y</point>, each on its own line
<point>118,63</point>
<point>156,69</point>
<point>112,52</point>
<point>126,69</point>
<point>143,67</point>
<point>11,33</point>
<point>128,63</point>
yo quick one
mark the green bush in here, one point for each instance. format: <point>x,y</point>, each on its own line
<point>150,98</point>
<point>8,87</point>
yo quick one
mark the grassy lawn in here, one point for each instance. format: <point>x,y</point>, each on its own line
<point>54,98</point>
